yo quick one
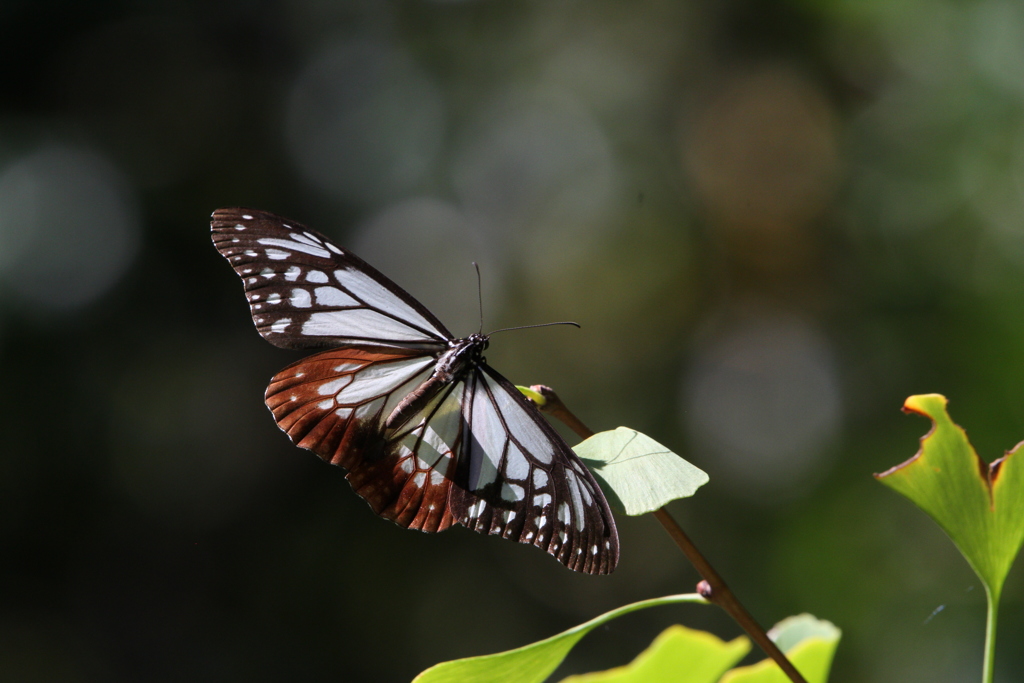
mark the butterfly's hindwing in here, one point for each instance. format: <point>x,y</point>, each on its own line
<point>334,401</point>
<point>519,480</point>
<point>426,450</point>
<point>304,291</point>
<point>335,404</point>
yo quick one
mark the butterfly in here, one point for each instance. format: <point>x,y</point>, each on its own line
<point>429,433</point>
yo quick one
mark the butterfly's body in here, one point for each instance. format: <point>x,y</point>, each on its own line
<point>461,356</point>
<point>430,434</point>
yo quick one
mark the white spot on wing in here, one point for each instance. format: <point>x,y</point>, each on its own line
<point>273,298</point>
<point>300,298</point>
<point>489,443</point>
<point>512,492</point>
<point>281,325</point>
<point>540,478</point>
<point>377,295</point>
<point>292,274</point>
<point>377,380</point>
<point>577,500</point>
<point>542,500</point>
<point>360,323</point>
<point>517,467</point>
<point>317,276</point>
<point>332,296</point>
<point>277,254</point>
<point>311,249</point>
<point>334,386</point>
<point>267,273</point>
<point>521,424</point>
<point>368,410</point>
<point>476,509</point>
<point>305,238</point>
<point>246,216</point>
<point>587,498</point>
<point>347,367</point>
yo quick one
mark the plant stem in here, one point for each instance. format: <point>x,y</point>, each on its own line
<point>712,588</point>
<point>990,636</point>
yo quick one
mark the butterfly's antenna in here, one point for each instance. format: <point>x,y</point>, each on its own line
<point>526,327</point>
<point>479,296</point>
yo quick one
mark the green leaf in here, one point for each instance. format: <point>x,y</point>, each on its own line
<point>809,644</point>
<point>980,507</point>
<point>533,663</point>
<point>638,473</point>
<point>678,655</point>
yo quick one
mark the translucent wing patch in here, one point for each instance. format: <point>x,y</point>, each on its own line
<point>304,291</point>
<point>425,454</point>
<point>517,478</point>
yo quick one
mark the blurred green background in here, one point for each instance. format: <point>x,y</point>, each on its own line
<point>774,221</point>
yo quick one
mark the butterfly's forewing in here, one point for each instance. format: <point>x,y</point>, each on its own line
<point>519,479</point>
<point>306,292</point>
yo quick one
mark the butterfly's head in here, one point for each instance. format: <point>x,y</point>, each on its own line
<point>479,341</point>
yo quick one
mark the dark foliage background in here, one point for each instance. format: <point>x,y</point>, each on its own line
<point>774,221</point>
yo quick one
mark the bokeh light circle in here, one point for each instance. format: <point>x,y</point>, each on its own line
<point>762,399</point>
<point>68,227</point>
<point>364,122</point>
<point>538,167</point>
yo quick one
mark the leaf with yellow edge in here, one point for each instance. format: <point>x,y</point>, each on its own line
<point>678,655</point>
<point>980,507</point>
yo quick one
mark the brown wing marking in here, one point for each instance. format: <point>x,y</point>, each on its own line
<point>335,404</point>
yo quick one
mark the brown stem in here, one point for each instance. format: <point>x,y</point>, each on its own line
<point>713,588</point>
